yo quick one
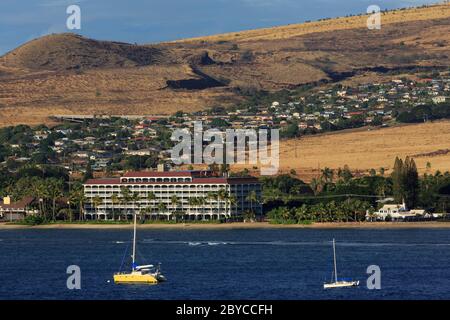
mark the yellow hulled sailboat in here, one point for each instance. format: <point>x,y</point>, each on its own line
<point>145,274</point>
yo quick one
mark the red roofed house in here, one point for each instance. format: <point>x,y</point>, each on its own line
<point>200,195</point>
<point>12,211</point>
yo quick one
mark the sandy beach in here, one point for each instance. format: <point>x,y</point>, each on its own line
<point>240,225</point>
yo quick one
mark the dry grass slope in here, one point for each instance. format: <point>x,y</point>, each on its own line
<point>343,23</point>
<point>364,150</point>
<point>69,74</point>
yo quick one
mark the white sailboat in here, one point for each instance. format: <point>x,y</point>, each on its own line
<point>145,274</point>
<point>338,283</point>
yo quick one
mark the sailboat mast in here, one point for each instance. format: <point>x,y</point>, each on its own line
<point>334,255</point>
<point>134,241</point>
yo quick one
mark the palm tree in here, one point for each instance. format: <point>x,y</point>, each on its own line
<point>333,212</point>
<point>319,210</point>
<point>371,214</point>
<point>301,213</point>
<point>316,185</point>
<point>96,202</point>
<point>55,191</point>
<point>135,199</point>
<point>125,198</point>
<point>175,201</point>
<point>162,207</point>
<point>211,196</point>
<point>201,201</point>
<point>41,193</point>
<point>192,202</point>
<point>151,197</point>
<point>233,202</point>
<point>252,197</point>
<point>77,196</point>
<point>381,188</point>
<point>222,196</point>
<point>249,216</point>
<point>114,200</point>
<point>327,174</point>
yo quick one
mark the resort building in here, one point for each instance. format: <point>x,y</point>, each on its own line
<point>193,195</point>
<point>395,212</point>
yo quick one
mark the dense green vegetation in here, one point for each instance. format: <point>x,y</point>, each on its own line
<point>339,196</point>
<point>336,195</point>
<point>424,113</point>
<point>349,210</point>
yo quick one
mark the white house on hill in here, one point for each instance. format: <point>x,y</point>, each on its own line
<point>395,212</point>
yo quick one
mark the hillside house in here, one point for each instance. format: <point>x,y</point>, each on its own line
<point>13,211</point>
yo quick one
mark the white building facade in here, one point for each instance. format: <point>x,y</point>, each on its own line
<point>395,212</point>
<point>199,196</point>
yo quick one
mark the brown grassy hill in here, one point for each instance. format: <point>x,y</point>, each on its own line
<point>343,23</point>
<point>364,149</point>
<point>62,74</point>
<point>67,51</point>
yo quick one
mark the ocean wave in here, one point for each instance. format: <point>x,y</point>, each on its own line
<point>216,243</point>
<point>388,244</point>
<point>291,243</point>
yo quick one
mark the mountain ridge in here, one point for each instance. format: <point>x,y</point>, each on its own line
<point>71,74</point>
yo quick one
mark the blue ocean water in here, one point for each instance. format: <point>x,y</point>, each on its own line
<point>227,264</point>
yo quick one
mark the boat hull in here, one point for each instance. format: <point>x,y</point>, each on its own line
<point>341,284</point>
<point>135,279</point>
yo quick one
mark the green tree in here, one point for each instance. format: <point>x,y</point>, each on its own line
<point>211,196</point>
<point>55,191</point>
<point>162,207</point>
<point>77,196</point>
<point>175,202</point>
<point>327,175</point>
<point>405,179</point>
<point>96,202</point>
<point>41,192</point>
<point>136,200</point>
<point>316,185</point>
<point>115,200</point>
<point>252,197</point>
<point>151,197</point>
<point>125,198</point>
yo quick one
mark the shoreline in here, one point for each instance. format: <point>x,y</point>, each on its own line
<point>239,225</point>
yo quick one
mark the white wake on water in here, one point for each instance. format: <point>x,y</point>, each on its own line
<point>291,243</point>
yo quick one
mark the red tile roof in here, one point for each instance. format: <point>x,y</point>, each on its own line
<point>103,181</point>
<point>138,174</point>
<point>208,180</point>
<point>21,204</point>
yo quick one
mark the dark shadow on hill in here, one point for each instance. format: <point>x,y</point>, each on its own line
<point>203,82</point>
